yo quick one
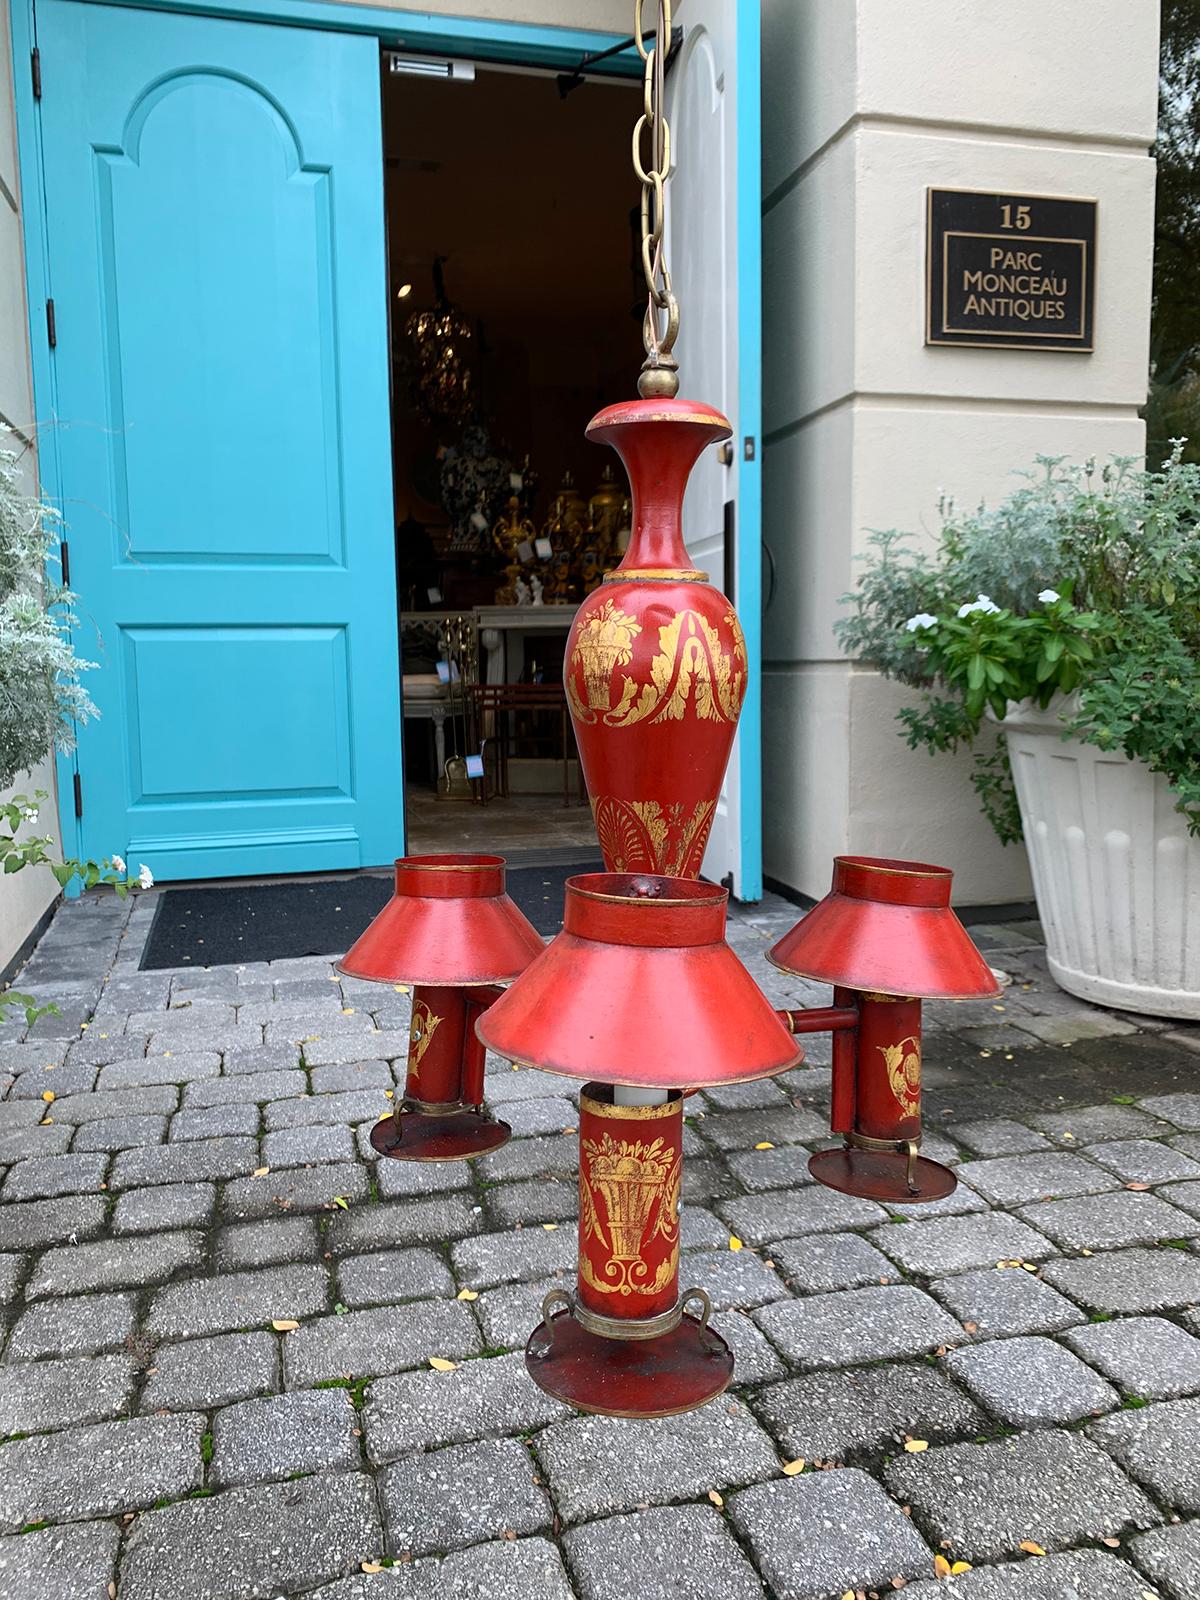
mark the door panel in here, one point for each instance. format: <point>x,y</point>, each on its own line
<point>713,253</point>
<point>216,255</point>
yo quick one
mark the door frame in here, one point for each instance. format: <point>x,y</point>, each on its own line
<point>516,43</point>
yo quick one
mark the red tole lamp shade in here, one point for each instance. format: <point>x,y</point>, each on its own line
<point>449,924</point>
<point>641,988</point>
<point>452,934</point>
<point>887,927</point>
<point>886,938</point>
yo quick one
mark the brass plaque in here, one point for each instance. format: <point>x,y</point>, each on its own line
<point>1010,271</point>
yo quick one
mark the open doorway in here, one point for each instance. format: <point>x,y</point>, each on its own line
<point>515,315</point>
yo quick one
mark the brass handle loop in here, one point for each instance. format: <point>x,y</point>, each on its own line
<point>705,1304</point>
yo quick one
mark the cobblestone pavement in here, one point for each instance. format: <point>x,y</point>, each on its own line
<point>216,1380</point>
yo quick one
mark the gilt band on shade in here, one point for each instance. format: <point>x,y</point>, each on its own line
<point>449,923</point>
<point>886,927</point>
<point>640,987</point>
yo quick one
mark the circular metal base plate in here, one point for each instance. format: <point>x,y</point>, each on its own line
<point>660,1377</point>
<point>456,1137</point>
<point>881,1175</point>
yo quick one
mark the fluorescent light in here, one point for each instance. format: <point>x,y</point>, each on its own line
<point>431,67</point>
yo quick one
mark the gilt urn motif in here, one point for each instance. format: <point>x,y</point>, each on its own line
<point>655,666</point>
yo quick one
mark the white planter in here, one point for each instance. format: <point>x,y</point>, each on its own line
<point>1115,871</point>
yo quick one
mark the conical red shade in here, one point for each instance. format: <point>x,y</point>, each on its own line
<point>449,923</point>
<point>640,988</point>
<point>887,927</point>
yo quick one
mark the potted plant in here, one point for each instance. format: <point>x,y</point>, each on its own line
<point>1070,615</point>
<point>41,696</point>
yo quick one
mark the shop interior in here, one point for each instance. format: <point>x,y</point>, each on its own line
<point>515,310</point>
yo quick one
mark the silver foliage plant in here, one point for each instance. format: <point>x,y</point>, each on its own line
<point>41,690</point>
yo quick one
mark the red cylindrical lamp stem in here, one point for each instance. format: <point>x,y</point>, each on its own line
<point>629,1179</point>
<point>888,1080</point>
<point>435,1047</point>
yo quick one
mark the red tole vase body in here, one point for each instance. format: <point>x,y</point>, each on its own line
<point>655,666</point>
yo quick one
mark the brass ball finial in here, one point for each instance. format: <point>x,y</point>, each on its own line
<point>659,380</point>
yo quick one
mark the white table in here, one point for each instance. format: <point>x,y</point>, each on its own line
<point>503,631</point>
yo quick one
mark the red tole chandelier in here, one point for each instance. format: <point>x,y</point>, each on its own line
<point>640,996</point>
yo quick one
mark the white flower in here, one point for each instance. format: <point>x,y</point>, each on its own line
<point>145,876</point>
<point>981,602</point>
<point>923,619</point>
<point>1048,596</point>
<point>118,864</point>
<point>30,813</point>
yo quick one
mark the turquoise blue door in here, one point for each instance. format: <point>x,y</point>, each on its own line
<point>221,436</point>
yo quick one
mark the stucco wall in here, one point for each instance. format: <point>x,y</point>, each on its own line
<point>25,895</point>
<point>866,104</point>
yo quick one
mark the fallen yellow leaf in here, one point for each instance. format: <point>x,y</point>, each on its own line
<point>284,1324</point>
<point>941,1567</point>
<point>549,1227</point>
<point>715,1498</point>
<point>401,988</point>
<point>467,1294</point>
<point>1031,1549</point>
<point>47,1095</point>
<point>764,1144</point>
<point>372,1566</point>
<point>348,1011</point>
<point>734,1242</point>
<point>915,1446</point>
<point>260,1172</point>
<point>440,1364</point>
<point>791,1468</point>
<point>960,1566</point>
<point>389,1094</point>
<point>570,1130</point>
<point>46,1122</point>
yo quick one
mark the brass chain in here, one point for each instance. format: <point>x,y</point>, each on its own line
<point>660,326</point>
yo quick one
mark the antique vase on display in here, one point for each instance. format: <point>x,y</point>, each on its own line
<point>655,665</point>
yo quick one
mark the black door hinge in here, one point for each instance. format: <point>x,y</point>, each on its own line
<point>78,795</point>
<point>35,71</point>
<point>51,326</point>
<point>64,557</point>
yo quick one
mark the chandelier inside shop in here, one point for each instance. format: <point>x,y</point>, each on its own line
<point>640,996</point>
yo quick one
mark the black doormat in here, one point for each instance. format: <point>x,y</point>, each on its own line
<point>217,927</point>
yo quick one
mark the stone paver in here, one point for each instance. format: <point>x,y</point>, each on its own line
<point>1146,1357</point>
<point>312,1431</point>
<point>365,1344</point>
<point>840,1416</point>
<point>1029,1382</point>
<point>1171,1556</point>
<point>198,1374</point>
<point>99,1470</point>
<point>957,1244</point>
<point>601,1465</point>
<point>836,1330</point>
<point>1052,1488</point>
<point>646,1554</point>
<point>1080,1575</point>
<point>254,1541</point>
<point>462,1495</point>
<point>71,1563</point>
<point>1003,1301</point>
<point>204,1179</point>
<point>1159,1445</point>
<point>1108,1221</point>
<point>420,1409</point>
<point>823,1533</point>
<point>828,1261</point>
